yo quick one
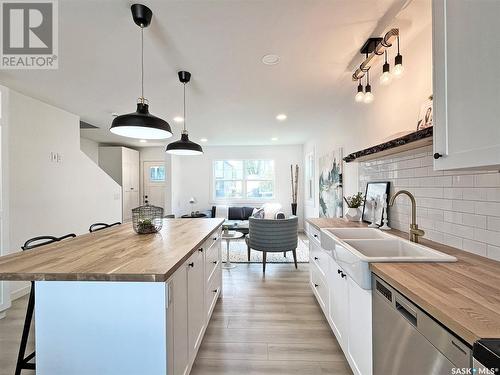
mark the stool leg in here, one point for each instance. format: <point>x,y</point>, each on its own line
<point>26,330</point>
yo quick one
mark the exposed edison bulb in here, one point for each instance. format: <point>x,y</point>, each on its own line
<point>398,66</point>
<point>360,94</point>
<point>385,78</point>
<point>398,70</point>
<point>368,98</point>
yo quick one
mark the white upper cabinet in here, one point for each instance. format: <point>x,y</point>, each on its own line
<point>466,83</point>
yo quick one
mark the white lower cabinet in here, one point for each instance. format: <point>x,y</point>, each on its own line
<point>193,292</point>
<point>348,309</point>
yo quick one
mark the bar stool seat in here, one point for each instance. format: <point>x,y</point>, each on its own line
<point>23,363</point>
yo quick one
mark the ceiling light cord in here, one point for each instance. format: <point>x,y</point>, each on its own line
<point>184,86</point>
<point>142,64</point>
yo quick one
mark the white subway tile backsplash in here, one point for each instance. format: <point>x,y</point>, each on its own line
<point>493,252</point>
<point>457,208</point>
<point>487,208</point>
<point>463,181</point>
<point>487,180</point>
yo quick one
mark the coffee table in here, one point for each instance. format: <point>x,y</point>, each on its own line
<point>230,235</point>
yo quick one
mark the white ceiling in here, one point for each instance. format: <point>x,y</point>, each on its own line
<point>233,97</point>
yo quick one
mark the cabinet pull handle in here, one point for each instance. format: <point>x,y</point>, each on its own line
<point>215,290</point>
<point>343,275</point>
<point>200,249</point>
<point>214,262</point>
<point>316,258</point>
<point>215,238</point>
<point>437,155</point>
<point>315,235</point>
<point>339,271</point>
<point>316,285</point>
<point>191,264</point>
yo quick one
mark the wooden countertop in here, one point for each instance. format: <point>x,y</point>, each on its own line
<point>463,296</point>
<point>113,254</point>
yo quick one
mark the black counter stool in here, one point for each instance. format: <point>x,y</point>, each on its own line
<point>22,361</point>
<point>99,226</point>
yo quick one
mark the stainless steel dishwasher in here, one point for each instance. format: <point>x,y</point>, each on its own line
<point>408,341</point>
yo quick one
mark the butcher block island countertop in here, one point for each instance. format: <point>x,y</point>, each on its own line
<point>113,254</point>
<point>463,296</point>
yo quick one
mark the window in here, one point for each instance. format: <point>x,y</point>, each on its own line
<point>157,173</point>
<point>243,179</point>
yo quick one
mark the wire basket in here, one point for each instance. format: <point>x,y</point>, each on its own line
<point>147,219</point>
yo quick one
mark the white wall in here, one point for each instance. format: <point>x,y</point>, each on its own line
<point>192,176</point>
<point>45,197</point>
<point>90,148</point>
<point>157,154</point>
<point>395,108</point>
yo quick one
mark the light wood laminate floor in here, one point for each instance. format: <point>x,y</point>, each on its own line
<point>11,328</point>
<point>267,325</point>
<point>263,325</point>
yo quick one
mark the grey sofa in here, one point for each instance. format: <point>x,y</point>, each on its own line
<point>279,235</point>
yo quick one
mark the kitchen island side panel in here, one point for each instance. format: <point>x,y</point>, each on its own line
<point>105,328</point>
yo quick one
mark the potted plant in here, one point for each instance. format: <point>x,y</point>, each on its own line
<point>354,203</point>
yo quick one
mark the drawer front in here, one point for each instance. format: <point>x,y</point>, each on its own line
<point>212,259</point>
<point>314,234</point>
<point>320,258</point>
<point>319,287</point>
<point>214,289</point>
<point>214,237</point>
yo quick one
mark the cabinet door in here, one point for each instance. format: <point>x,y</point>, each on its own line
<point>177,328</point>
<point>196,294</point>
<point>339,302</point>
<point>466,83</point>
<point>130,172</point>
<point>359,328</point>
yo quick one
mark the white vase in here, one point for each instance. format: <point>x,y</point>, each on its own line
<point>353,214</point>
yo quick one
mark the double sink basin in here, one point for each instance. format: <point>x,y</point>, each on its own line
<point>355,248</point>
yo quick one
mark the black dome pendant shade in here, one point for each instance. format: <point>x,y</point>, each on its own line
<point>141,124</point>
<point>184,146</point>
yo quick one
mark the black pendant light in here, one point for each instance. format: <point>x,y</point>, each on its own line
<point>184,146</point>
<point>141,124</point>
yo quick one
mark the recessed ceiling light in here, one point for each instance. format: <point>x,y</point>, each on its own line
<point>274,139</point>
<point>142,140</point>
<point>178,119</point>
<point>270,59</point>
<point>281,117</point>
<point>203,140</point>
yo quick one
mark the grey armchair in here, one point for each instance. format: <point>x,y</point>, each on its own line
<point>274,236</point>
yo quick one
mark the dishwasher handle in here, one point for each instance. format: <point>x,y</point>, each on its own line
<point>407,311</point>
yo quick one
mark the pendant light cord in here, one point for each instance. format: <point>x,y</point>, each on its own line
<point>184,86</point>
<point>142,64</point>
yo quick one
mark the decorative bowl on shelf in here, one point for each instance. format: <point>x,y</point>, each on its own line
<point>147,219</point>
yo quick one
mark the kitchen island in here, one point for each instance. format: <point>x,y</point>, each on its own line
<point>115,302</point>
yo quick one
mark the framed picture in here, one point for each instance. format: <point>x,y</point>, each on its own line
<point>330,184</point>
<point>376,193</point>
<point>425,115</point>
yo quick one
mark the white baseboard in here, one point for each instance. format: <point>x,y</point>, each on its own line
<point>21,292</point>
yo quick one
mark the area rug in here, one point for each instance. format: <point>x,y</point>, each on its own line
<point>238,253</point>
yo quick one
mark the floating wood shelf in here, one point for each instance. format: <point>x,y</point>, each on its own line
<point>407,142</point>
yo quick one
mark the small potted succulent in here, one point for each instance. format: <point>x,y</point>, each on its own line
<point>354,203</point>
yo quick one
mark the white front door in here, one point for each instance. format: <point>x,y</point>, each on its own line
<point>154,186</point>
